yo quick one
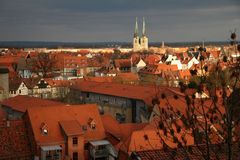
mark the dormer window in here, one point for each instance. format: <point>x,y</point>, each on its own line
<point>44,129</point>
<point>93,126</point>
<point>92,123</point>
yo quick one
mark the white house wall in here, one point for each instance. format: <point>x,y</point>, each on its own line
<point>22,90</point>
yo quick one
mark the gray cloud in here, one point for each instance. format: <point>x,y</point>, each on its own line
<point>113,20</point>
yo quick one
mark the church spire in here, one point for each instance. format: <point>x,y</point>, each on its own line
<point>143,29</point>
<point>136,29</point>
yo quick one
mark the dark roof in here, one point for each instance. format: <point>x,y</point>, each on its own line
<point>42,84</point>
<point>31,82</point>
<point>15,83</point>
<point>22,64</point>
<point>196,54</point>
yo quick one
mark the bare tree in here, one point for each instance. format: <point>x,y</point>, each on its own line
<point>43,64</point>
<point>206,116</point>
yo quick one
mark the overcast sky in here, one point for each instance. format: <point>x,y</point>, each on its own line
<point>114,20</point>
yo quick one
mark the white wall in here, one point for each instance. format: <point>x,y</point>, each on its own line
<point>22,90</point>
<point>141,64</point>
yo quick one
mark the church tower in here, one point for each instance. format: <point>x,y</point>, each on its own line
<point>136,44</point>
<point>144,39</point>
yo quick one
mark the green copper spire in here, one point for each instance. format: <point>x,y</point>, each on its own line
<point>136,29</point>
<point>143,29</point>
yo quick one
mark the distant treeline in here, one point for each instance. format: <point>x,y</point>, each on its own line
<point>52,45</point>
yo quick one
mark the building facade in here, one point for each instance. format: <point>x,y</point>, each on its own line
<point>4,82</point>
<point>75,133</point>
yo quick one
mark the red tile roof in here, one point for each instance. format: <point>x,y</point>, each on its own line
<point>179,104</point>
<point>21,103</point>
<point>135,58</point>
<point>51,116</point>
<point>58,83</point>
<point>158,68</point>
<point>111,125</point>
<point>145,93</point>
<point>152,138</point>
<point>99,79</point>
<point>4,60</point>
<point>122,63</point>
<point>84,51</point>
<point>71,127</point>
<point>127,76</point>
<point>152,59</point>
<point>139,137</point>
<point>184,74</point>
<point>215,54</point>
<point>120,130</point>
<point>70,61</point>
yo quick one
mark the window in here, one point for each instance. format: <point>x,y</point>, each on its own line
<point>93,126</point>
<point>48,154</point>
<point>91,123</point>
<point>75,155</point>
<point>100,147</point>
<point>75,140</point>
<point>44,129</point>
<point>86,146</point>
<point>20,91</point>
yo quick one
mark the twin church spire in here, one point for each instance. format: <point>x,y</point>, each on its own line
<point>143,28</point>
<point>140,43</point>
